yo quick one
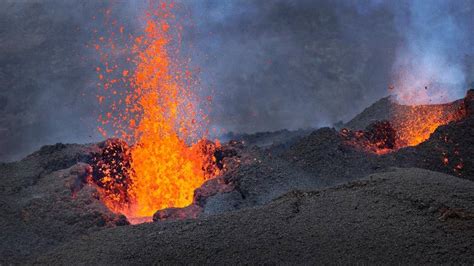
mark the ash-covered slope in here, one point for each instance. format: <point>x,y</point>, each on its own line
<point>387,109</point>
<point>402,216</point>
<point>266,139</point>
<point>378,111</point>
<point>43,202</point>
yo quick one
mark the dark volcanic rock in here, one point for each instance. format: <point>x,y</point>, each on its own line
<point>267,139</point>
<point>19,175</point>
<point>211,188</point>
<point>41,207</point>
<point>449,150</point>
<point>113,157</point>
<point>469,102</point>
<point>378,111</point>
<point>379,137</point>
<point>111,170</point>
<point>228,150</point>
<point>173,214</point>
<point>381,134</point>
<point>325,154</point>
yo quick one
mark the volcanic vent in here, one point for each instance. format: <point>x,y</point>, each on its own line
<point>397,125</point>
<point>160,155</point>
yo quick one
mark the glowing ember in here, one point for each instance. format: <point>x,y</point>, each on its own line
<point>157,114</point>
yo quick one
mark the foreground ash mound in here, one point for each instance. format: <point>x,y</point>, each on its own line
<point>401,216</point>
<point>44,201</point>
<point>282,197</point>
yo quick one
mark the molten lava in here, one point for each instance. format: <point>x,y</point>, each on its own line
<point>156,112</point>
<point>414,124</point>
<point>408,125</point>
<point>413,114</point>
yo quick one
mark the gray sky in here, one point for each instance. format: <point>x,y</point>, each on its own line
<point>269,64</point>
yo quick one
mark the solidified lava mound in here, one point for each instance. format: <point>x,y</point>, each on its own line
<point>112,160</point>
<point>379,137</point>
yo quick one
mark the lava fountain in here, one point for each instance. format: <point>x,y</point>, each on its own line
<point>157,112</point>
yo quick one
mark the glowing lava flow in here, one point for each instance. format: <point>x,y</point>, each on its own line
<point>406,125</point>
<point>418,110</point>
<point>158,117</point>
<point>415,123</point>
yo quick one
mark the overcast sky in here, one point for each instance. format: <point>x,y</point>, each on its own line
<point>269,64</point>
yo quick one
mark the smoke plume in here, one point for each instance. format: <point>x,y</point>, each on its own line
<point>430,66</point>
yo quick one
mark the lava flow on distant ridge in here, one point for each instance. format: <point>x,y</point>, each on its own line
<point>406,125</point>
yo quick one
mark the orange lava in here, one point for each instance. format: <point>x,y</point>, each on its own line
<point>157,113</point>
<point>407,125</point>
<point>414,124</point>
